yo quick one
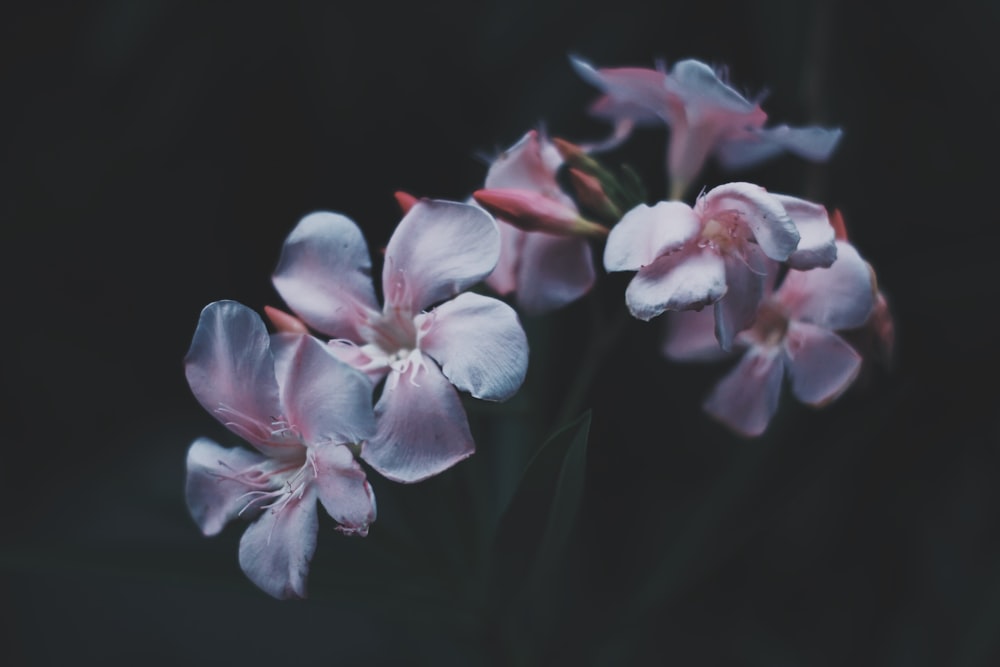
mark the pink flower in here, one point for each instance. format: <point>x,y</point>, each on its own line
<point>705,114</point>
<point>428,341</point>
<point>793,334</point>
<point>302,410</point>
<point>716,253</point>
<point>544,271</point>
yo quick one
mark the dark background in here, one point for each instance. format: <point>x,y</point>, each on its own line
<point>153,156</point>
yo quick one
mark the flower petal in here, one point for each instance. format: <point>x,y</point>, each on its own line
<point>690,336</point>
<point>324,274</point>
<point>479,343</point>
<point>839,297</point>
<point>230,369</point>
<point>531,165</point>
<point>678,281</point>
<point>326,399</point>
<point>645,233</point>
<point>759,144</point>
<point>817,243</point>
<point>640,87</point>
<point>503,279</point>
<point>747,397</point>
<point>343,489</point>
<point>439,249</point>
<point>757,209</point>
<point>276,549</point>
<point>736,311</point>
<point>422,429</point>
<point>554,271</point>
<point>821,364</point>
<point>214,493</point>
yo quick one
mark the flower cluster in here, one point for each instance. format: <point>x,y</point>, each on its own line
<point>343,382</point>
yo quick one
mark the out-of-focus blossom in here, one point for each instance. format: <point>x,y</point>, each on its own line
<point>429,338</point>
<point>706,116</point>
<point>793,334</point>
<point>716,253</point>
<point>302,410</point>
<point>544,271</point>
<point>877,339</point>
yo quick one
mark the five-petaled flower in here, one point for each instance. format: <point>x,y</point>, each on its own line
<point>429,338</point>
<point>716,253</point>
<point>793,334</point>
<point>303,411</point>
<point>705,114</point>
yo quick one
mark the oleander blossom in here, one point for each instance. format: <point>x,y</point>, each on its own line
<point>429,340</point>
<point>716,253</point>
<point>794,335</point>
<point>705,114</point>
<point>302,410</point>
<point>544,271</point>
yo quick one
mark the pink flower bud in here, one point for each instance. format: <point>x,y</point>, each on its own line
<point>284,322</point>
<point>405,201</point>
<point>591,194</point>
<point>534,212</point>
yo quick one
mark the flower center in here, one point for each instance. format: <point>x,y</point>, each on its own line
<point>725,236</point>
<point>771,324</point>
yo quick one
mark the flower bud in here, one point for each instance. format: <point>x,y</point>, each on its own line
<point>284,322</point>
<point>534,212</point>
<point>591,194</point>
<point>405,200</point>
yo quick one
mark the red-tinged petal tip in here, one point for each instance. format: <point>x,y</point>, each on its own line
<point>405,201</point>
<point>839,228</point>
<point>284,322</point>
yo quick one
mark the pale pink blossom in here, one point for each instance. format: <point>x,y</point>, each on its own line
<point>793,335</point>
<point>544,271</point>
<point>716,253</point>
<point>428,341</point>
<point>302,410</point>
<point>705,114</point>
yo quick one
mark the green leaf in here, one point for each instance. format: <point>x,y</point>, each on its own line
<point>537,525</point>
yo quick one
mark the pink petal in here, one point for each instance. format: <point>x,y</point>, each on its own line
<point>343,489</point>
<point>679,281</point>
<point>276,548</point>
<point>214,493</point>
<point>645,233</point>
<point>737,310</point>
<point>479,343</point>
<point>526,166</point>
<point>326,399</point>
<point>324,274</point>
<point>422,429</point>
<point>817,243</point>
<point>361,357</point>
<point>821,364</point>
<point>704,93</point>
<point>439,249</point>
<point>230,369</point>
<point>760,211</point>
<point>503,280</point>
<point>690,336</point>
<point>643,88</point>
<point>840,297</point>
<point>554,271</point>
<point>747,397</point>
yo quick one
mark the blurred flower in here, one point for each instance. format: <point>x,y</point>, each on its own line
<point>470,342</point>
<point>793,334</point>
<point>705,114</point>
<point>544,271</point>
<point>301,409</point>
<point>717,253</point>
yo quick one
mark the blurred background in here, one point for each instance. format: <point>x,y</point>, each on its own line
<point>154,155</point>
